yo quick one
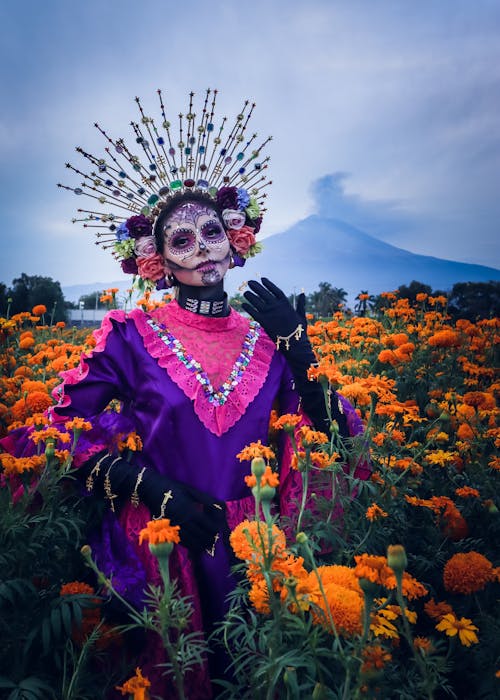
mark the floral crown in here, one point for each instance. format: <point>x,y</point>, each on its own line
<point>220,163</point>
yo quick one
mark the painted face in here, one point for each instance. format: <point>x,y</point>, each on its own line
<point>196,248</point>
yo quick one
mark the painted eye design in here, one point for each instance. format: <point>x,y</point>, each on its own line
<point>182,240</point>
<point>212,231</point>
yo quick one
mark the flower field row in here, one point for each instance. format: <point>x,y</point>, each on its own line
<point>331,610</point>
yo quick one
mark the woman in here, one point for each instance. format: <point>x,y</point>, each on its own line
<point>195,380</point>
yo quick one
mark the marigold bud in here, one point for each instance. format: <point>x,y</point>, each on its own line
<point>396,558</point>
<point>258,467</point>
<point>301,538</point>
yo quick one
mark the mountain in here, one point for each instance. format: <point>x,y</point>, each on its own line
<point>319,249</point>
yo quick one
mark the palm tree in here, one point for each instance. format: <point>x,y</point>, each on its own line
<point>326,300</point>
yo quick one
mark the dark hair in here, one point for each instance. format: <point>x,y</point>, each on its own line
<point>173,203</point>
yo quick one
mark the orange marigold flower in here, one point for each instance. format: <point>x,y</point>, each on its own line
<point>340,575</point>
<point>258,595</point>
<point>286,421</point>
<point>269,478</point>
<point>467,492</point>
<point>311,437</point>
<point>27,342</point>
<point>445,339</point>
<point>424,645</point>
<point>159,531</point>
<point>465,432</point>
<point>78,424</point>
<point>250,537</point>
<point>322,460</point>
<point>38,401</point>
<point>76,588</point>
<point>467,572</point>
<point>346,608</point>
<point>60,324</point>
<point>256,449</point>
<point>452,626</point>
<point>39,310</point>
<point>479,399</point>
<point>136,686</point>
<point>375,657</point>
<point>375,512</point>
<point>494,463</point>
<point>49,434</point>
<point>19,465</point>
<point>131,442</point>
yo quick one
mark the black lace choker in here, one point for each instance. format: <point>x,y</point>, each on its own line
<point>205,307</point>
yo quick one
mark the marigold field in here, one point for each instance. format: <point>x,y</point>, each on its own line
<point>388,589</point>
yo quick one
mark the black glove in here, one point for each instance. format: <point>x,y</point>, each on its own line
<point>199,516</point>
<point>269,306</point>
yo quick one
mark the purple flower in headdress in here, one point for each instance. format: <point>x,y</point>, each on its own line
<point>238,261</point>
<point>129,266</point>
<point>227,198</point>
<point>243,198</point>
<point>256,223</point>
<point>161,284</point>
<point>121,232</point>
<point>139,226</point>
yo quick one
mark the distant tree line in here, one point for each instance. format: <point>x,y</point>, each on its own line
<point>471,300</point>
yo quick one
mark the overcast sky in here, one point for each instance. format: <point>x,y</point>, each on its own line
<point>385,112</point>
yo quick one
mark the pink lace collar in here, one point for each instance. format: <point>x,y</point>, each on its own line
<point>217,407</point>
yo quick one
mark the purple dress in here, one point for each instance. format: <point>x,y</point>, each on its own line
<point>191,431</point>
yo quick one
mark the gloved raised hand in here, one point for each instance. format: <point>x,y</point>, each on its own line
<point>287,326</point>
<point>199,516</point>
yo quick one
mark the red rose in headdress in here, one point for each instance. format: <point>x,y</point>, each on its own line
<point>151,268</point>
<point>242,239</point>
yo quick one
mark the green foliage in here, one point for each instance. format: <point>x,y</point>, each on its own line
<point>29,290</point>
<point>326,300</point>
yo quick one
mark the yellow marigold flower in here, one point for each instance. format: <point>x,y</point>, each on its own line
<point>464,628</point>
<point>441,457</point>
<point>250,537</point>
<point>269,478</point>
<point>78,424</point>
<point>136,686</point>
<point>467,492</point>
<point>375,512</point>
<point>286,421</point>
<point>381,624</point>
<point>159,531</point>
<point>467,572</point>
<point>256,449</point>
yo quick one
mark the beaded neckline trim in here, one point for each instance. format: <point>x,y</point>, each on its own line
<point>218,396</point>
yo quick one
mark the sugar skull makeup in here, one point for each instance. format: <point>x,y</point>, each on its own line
<point>196,248</point>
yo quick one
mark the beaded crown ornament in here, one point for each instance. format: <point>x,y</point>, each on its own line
<point>221,162</point>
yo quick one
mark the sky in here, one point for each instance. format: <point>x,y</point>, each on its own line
<point>384,113</point>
